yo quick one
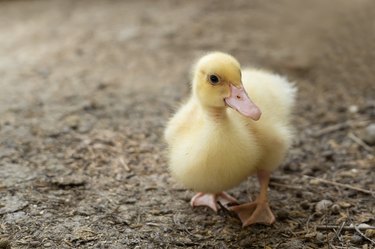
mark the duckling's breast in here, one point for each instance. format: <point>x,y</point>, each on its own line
<point>214,158</point>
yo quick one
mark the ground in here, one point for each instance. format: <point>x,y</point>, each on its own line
<point>86,88</point>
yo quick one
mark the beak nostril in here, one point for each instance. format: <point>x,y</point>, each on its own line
<point>238,97</point>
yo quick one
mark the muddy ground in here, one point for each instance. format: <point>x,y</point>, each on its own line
<point>86,88</point>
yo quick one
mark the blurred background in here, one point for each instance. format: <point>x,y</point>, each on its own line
<point>86,88</point>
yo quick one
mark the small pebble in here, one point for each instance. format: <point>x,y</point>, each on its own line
<point>320,237</point>
<point>353,109</point>
<point>72,121</point>
<point>335,209</point>
<point>344,204</point>
<point>315,181</point>
<point>323,206</point>
<point>369,134</point>
<point>356,239</point>
<point>370,233</point>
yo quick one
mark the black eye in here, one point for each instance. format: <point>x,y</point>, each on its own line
<point>214,79</point>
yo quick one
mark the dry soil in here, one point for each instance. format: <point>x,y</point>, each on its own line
<point>86,88</point>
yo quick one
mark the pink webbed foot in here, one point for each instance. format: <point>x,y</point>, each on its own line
<point>210,200</point>
<point>254,212</point>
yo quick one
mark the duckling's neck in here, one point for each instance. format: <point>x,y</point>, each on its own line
<point>215,113</point>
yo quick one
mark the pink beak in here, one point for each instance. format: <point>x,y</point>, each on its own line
<point>240,101</point>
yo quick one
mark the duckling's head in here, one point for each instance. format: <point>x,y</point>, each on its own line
<point>217,84</point>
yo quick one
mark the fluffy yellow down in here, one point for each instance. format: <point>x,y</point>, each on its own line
<point>213,154</point>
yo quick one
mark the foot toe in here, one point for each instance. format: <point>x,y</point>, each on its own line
<point>252,213</point>
<point>202,199</point>
<point>226,199</point>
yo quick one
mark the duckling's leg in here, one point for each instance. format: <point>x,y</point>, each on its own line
<point>210,200</point>
<point>257,211</point>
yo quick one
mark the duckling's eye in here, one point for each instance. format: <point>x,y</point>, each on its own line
<point>214,79</point>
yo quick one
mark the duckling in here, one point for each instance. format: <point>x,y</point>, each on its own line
<point>221,136</point>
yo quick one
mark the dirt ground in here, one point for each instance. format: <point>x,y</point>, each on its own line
<point>86,88</point>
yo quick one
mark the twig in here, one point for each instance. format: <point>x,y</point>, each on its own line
<point>344,228</point>
<point>343,185</point>
<point>125,165</point>
<point>284,186</point>
<point>363,235</point>
<point>338,232</point>
<point>359,141</point>
<point>340,126</point>
<point>307,222</point>
<point>153,224</point>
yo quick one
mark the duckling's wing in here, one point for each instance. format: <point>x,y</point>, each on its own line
<point>272,93</point>
<point>181,122</point>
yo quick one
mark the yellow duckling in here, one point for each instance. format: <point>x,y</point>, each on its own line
<point>213,148</point>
